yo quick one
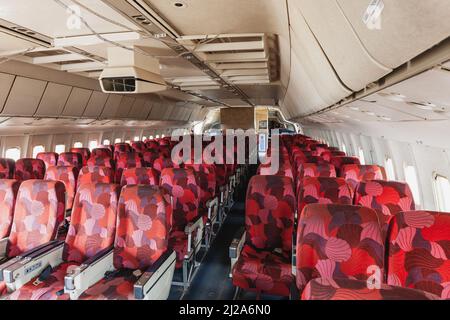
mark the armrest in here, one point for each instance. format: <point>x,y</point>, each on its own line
<point>3,247</point>
<point>89,273</point>
<point>237,243</point>
<point>236,247</point>
<point>21,270</point>
<point>197,225</point>
<point>213,207</point>
<point>155,283</point>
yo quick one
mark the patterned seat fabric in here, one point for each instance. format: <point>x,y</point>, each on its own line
<point>285,170</point>
<point>340,161</point>
<point>70,159</point>
<point>206,179</point>
<point>94,175</point>
<point>323,191</point>
<point>387,197</point>
<point>50,158</point>
<point>92,230</point>
<point>101,161</point>
<point>102,152</point>
<point>138,146</point>
<point>68,176</point>
<point>149,157</point>
<point>85,154</point>
<point>264,265</point>
<point>134,176</point>
<point>8,195</point>
<point>126,161</point>
<point>7,168</point>
<point>28,169</point>
<point>338,241</point>
<point>354,174</point>
<point>39,211</point>
<point>314,170</point>
<point>162,163</point>
<point>346,289</point>
<point>141,239</point>
<point>122,148</point>
<point>419,252</point>
<point>182,186</point>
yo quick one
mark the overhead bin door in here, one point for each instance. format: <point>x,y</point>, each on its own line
<point>6,81</point>
<point>77,102</point>
<point>24,97</point>
<point>95,105</point>
<point>54,99</point>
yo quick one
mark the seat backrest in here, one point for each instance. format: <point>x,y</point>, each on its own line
<point>323,191</point>
<point>101,161</point>
<point>269,213</point>
<point>315,170</point>
<point>8,194</point>
<point>338,241</point>
<point>50,158</point>
<point>386,197</point>
<point>29,169</point>
<point>135,176</point>
<point>162,163</point>
<point>122,147</point>
<point>40,210</point>
<point>143,227</point>
<point>7,168</point>
<point>70,159</point>
<point>127,160</point>
<point>85,154</point>
<point>68,176</point>
<point>102,152</point>
<point>138,146</point>
<point>340,161</point>
<point>284,170</point>
<point>149,157</point>
<point>206,180</point>
<point>354,174</point>
<point>94,175</point>
<point>182,186</point>
<point>419,251</point>
<point>93,221</point>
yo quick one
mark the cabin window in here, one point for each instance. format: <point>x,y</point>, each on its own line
<point>106,142</point>
<point>137,138</point>
<point>144,138</point>
<point>78,145</point>
<point>37,150</point>
<point>60,148</point>
<point>152,137</point>
<point>362,159</point>
<point>390,171</point>
<point>344,148</point>
<point>128,141</point>
<point>118,140</point>
<point>163,136</point>
<point>411,179</point>
<point>13,153</point>
<point>157,136</point>
<point>442,192</point>
<point>93,144</point>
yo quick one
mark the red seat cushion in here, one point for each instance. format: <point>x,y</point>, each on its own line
<point>48,289</point>
<point>116,288</point>
<point>264,272</point>
<point>346,289</point>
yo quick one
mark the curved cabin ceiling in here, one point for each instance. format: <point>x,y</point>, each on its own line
<point>300,55</point>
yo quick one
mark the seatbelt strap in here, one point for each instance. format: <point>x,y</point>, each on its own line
<point>44,275</point>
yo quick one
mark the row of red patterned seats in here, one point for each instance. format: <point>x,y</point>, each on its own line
<point>114,248</point>
<point>337,242</point>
